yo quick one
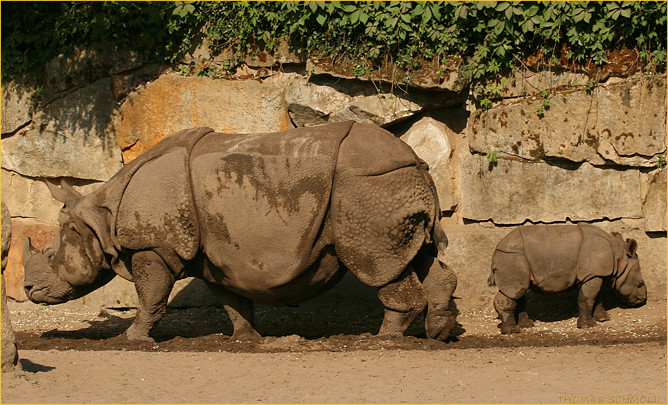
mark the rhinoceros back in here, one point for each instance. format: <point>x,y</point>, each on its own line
<point>261,200</point>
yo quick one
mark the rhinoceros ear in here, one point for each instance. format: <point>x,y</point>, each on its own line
<point>631,247</point>
<point>66,194</point>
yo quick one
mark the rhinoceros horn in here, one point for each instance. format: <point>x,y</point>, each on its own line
<point>66,194</point>
<point>28,249</point>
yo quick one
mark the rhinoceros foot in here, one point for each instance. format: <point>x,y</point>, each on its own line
<point>586,323</point>
<point>137,334</point>
<point>508,329</point>
<point>245,335</point>
<point>600,314</point>
<point>523,320</point>
<point>439,324</point>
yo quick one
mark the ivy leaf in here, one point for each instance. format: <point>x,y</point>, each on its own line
<point>502,6</point>
<point>354,17</point>
<point>435,10</point>
<point>321,18</point>
<point>349,8</point>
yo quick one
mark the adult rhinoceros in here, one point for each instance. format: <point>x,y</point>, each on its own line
<point>274,218</point>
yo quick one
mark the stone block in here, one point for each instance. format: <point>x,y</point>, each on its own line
<point>513,192</point>
<point>311,104</point>
<point>525,82</point>
<point>321,99</point>
<point>83,66</point>
<point>621,124</point>
<point>70,137</point>
<point>10,356</point>
<point>172,103</point>
<point>381,110</point>
<point>432,75</point>
<point>30,198</point>
<point>121,293</point>
<point>430,141</point>
<point>17,106</point>
<point>654,204</point>
<point>469,255</point>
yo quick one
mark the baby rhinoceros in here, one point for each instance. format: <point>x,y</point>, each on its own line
<point>554,258</point>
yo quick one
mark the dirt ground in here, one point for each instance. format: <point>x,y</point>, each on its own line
<point>325,352</point>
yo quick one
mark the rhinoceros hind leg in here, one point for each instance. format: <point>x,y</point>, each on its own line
<point>404,300</point>
<point>153,282</point>
<point>240,311</point>
<point>505,307</point>
<point>523,320</point>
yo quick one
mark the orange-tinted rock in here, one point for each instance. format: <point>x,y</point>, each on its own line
<point>172,103</point>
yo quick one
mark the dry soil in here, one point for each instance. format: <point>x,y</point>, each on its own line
<point>325,352</point>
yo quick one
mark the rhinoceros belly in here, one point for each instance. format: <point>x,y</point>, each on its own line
<point>261,201</point>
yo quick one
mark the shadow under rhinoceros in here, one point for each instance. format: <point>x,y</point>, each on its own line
<point>349,308</point>
<point>562,306</point>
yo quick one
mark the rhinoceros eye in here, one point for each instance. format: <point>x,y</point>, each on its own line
<point>48,252</point>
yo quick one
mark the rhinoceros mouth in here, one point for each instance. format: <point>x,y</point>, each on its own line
<point>40,295</point>
<point>37,294</point>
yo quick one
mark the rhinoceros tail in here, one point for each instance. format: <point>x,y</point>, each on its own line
<point>491,281</point>
<point>440,238</point>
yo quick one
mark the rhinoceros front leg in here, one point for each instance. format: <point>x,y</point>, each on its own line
<point>439,283</point>
<point>403,299</point>
<point>153,282</point>
<point>523,320</point>
<point>600,314</point>
<point>240,311</point>
<point>586,298</point>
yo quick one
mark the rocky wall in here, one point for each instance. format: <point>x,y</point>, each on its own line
<point>593,156</point>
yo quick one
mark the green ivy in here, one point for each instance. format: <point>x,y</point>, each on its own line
<point>489,37</point>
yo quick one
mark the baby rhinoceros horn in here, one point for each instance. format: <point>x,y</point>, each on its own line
<point>28,250</point>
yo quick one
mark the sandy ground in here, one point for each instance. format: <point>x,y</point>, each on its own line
<point>511,375</point>
<point>325,353</point>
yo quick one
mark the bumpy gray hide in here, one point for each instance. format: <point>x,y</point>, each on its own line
<point>275,218</point>
<point>553,258</point>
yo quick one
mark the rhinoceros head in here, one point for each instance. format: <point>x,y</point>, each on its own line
<point>71,265</point>
<point>627,282</point>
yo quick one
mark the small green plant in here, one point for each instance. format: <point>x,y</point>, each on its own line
<point>589,86</point>
<point>185,70</point>
<point>361,70</point>
<point>661,163</point>
<point>492,157</point>
<point>545,105</point>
